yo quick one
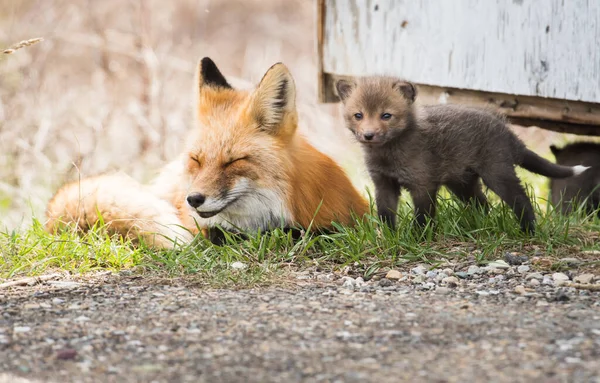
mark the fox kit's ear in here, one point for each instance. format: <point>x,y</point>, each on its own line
<point>407,89</point>
<point>344,88</point>
<point>207,74</point>
<point>274,98</point>
<point>554,150</point>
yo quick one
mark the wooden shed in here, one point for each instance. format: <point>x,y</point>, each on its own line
<point>537,61</point>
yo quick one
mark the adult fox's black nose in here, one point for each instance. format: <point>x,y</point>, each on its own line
<point>195,199</point>
<point>368,136</point>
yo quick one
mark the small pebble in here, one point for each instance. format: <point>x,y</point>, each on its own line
<point>431,274</point>
<point>451,281</point>
<point>548,280</point>
<point>523,269</point>
<point>428,286</point>
<point>542,303</point>
<point>513,259</point>
<point>359,282</point>
<point>66,354</point>
<point>393,274</point>
<point>584,278</point>
<point>472,270</point>
<point>349,283</point>
<point>419,279</point>
<point>21,329</point>
<point>560,278</point>
<point>448,271</point>
<point>418,270</point>
<point>520,289</point>
<point>440,277</point>
<point>384,282</point>
<point>442,290</point>
<point>499,264</point>
<point>534,282</point>
<point>462,274</point>
<point>534,276</point>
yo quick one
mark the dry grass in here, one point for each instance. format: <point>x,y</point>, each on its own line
<point>110,87</point>
<point>22,44</point>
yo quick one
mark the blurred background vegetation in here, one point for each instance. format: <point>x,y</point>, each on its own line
<point>110,87</point>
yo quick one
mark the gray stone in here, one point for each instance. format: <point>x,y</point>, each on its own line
<point>534,276</point>
<point>440,277</point>
<point>513,259</point>
<point>419,270</point>
<point>523,269</point>
<point>431,274</point>
<point>472,270</point>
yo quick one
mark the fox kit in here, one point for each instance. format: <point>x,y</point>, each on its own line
<point>586,186</point>
<point>245,167</point>
<point>423,148</point>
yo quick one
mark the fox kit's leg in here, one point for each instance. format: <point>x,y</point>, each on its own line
<point>424,201</point>
<point>507,185</point>
<point>469,191</point>
<point>387,192</point>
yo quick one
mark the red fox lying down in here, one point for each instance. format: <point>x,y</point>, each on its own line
<point>244,167</point>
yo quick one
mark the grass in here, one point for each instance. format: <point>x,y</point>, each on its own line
<point>460,233</point>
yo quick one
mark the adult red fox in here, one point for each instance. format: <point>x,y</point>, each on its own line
<point>244,167</point>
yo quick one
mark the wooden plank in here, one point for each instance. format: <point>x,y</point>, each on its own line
<point>320,42</point>
<point>546,48</point>
<point>559,115</point>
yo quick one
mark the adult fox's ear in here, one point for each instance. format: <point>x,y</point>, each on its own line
<point>207,74</point>
<point>344,88</point>
<point>274,99</point>
<point>407,89</point>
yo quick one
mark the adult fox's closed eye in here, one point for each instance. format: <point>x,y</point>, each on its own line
<point>245,167</point>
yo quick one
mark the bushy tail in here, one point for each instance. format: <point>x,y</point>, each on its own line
<point>534,163</point>
<point>124,205</point>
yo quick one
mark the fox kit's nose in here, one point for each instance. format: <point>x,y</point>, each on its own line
<point>368,136</point>
<point>195,199</point>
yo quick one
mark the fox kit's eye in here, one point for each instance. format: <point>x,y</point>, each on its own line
<point>358,116</point>
<point>386,116</point>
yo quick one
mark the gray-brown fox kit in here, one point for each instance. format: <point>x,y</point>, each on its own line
<point>423,148</point>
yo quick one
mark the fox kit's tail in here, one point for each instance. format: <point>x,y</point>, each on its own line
<point>123,204</point>
<point>534,163</point>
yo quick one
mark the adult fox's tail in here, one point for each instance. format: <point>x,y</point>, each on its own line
<point>124,205</point>
<point>539,165</point>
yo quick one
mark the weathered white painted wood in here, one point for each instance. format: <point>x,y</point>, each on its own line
<point>547,48</point>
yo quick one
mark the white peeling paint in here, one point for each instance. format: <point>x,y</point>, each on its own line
<point>547,48</point>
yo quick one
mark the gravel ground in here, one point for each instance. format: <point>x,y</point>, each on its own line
<point>500,323</point>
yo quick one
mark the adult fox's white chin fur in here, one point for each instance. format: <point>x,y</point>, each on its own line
<point>259,210</point>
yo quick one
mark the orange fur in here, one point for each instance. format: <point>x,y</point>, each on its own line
<point>245,160</point>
